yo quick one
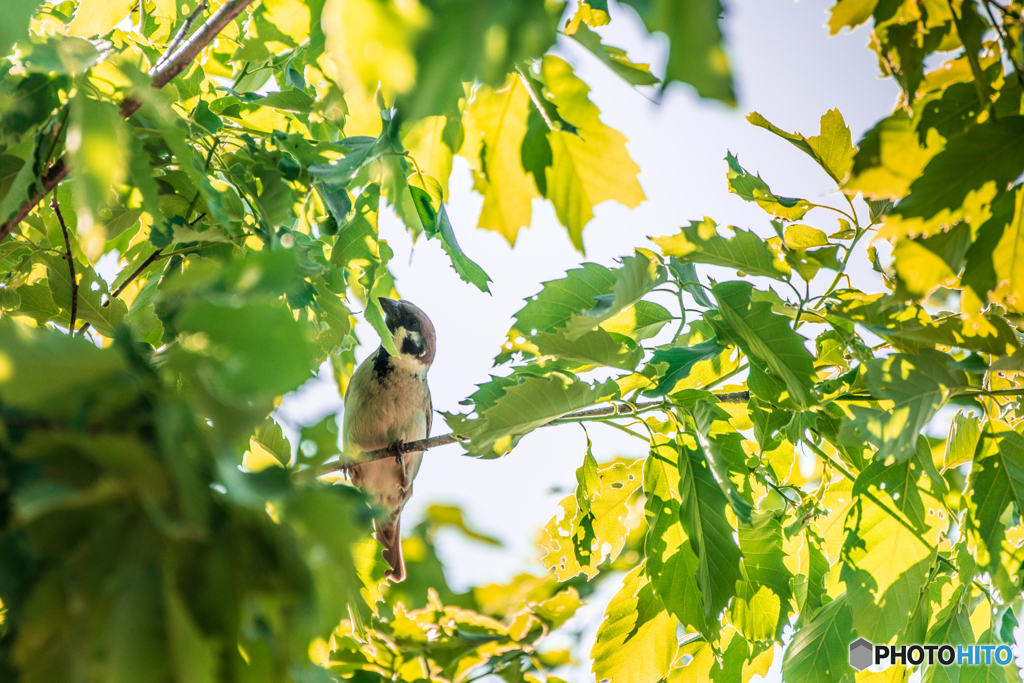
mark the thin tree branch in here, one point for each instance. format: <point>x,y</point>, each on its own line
<point>180,35</point>
<point>136,273</point>
<point>55,205</point>
<point>164,74</point>
<point>616,410</point>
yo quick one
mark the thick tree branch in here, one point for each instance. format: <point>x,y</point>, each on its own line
<point>177,62</point>
<point>55,205</point>
<point>616,410</point>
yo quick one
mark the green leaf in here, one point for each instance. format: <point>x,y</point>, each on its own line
<point>593,518</point>
<point>886,561</point>
<point>782,370</point>
<point>680,360</point>
<point>962,181</point>
<point>917,385</point>
<point>964,433</point>
<point>566,318</point>
<point>587,168</point>
<point>31,358</point>
<point>427,196</point>
<point>744,251</point>
<point>819,652</point>
<point>642,320</point>
<point>751,188</point>
<point>762,604</point>
<point>560,608</point>
<point>92,295</point>
<point>850,14</point>
<point>696,48</point>
<point>16,21</point>
<point>457,46</point>
<point>891,157</point>
<point>832,148</point>
<point>615,58</point>
<point>508,410</point>
<point>243,362</point>
<point>998,482</point>
<point>100,142</point>
<point>911,328</point>
<point>922,264</point>
<point>702,512</point>
<point>359,151</point>
<point>194,656</point>
<point>270,437</point>
<point>803,237</point>
<point>686,274</point>
<point>636,642</point>
<point>993,270</point>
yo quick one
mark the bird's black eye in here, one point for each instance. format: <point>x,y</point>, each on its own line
<point>412,325</point>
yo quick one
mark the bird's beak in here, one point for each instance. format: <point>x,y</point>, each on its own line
<point>390,306</point>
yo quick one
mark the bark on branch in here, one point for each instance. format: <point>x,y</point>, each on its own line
<point>163,74</point>
<point>616,410</point>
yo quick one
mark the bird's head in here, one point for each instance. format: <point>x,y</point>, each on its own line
<point>412,330</point>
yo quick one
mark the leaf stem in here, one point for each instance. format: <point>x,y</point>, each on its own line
<point>55,205</point>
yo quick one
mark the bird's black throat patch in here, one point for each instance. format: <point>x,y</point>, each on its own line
<point>381,365</point>
<point>412,347</point>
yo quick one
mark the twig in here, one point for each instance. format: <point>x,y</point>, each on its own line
<point>55,205</point>
<point>620,409</point>
<point>180,35</point>
<point>170,68</point>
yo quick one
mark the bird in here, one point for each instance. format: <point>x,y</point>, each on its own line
<point>386,406</point>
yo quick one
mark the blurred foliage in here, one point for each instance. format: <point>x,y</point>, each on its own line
<point>157,523</point>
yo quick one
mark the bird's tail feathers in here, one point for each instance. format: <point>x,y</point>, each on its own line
<point>390,536</point>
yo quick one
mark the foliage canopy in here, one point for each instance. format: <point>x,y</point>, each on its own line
<point>155,522</point>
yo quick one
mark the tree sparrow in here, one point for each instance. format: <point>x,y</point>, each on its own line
<point>388,404</point>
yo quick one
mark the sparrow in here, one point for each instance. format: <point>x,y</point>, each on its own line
<point>387,405</point>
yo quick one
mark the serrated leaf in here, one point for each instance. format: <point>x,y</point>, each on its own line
<point>744,251</point>
<point>642,320</point>
<point>616,59</point>
<point>886,562</point>
<point>782,370</point>
<point>702,512</point>
<point>496,125</point>
<point>964,433</point>
<point>592,518</point>
<point>917,385</point>
<point>832,148</point>
<point>427,196</point>
<point>762,604</point>
<point>751,188</point>
<point>588,168</point>
<point>819,652</point>
<point>636,642</point>
<point>997,482</point>
<point>508,410</point>
<point>911,328</point>
<point>680,360</point>
<point>993,270</point>
<point>961,181</point>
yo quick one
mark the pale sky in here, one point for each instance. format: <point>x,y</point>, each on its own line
<point>788,69</point>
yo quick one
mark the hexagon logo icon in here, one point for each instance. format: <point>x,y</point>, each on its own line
<point>861,654</point>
